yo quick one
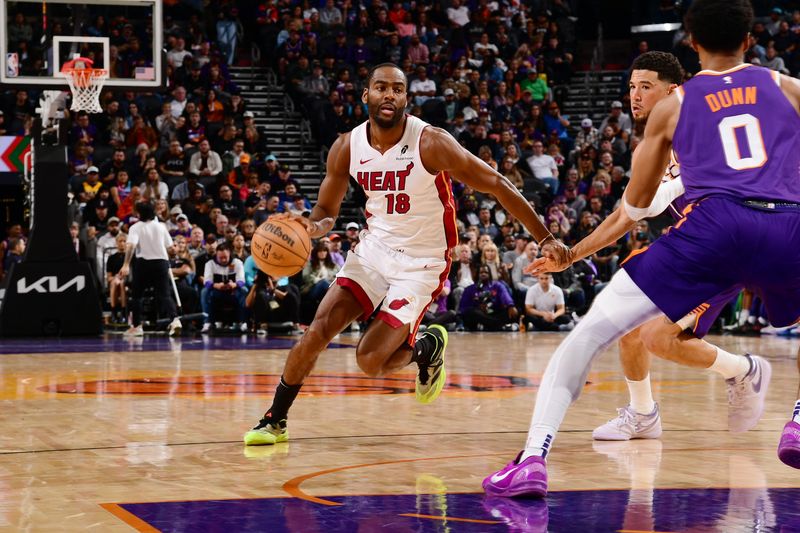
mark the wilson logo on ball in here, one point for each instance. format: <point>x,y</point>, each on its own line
<point>276,230</point>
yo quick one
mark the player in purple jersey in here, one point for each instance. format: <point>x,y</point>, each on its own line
<point>742,180</point>
<point>654,76</point>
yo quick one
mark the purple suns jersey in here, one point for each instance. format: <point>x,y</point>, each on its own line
<point>738,136</point>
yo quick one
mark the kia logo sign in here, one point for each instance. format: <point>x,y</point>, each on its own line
<point>49,284</point>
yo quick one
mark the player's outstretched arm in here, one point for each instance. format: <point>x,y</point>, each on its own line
<point>331,191</point>
<point>441,152</point>
<point>611,229</point>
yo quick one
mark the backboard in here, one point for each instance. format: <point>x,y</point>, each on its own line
<point>122,36</point>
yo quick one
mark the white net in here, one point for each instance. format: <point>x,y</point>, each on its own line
<point>86,85</point>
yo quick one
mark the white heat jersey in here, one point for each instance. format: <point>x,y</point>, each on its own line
<point>408,209</point>
<point>673,171</point>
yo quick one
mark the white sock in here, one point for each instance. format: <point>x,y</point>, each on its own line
<point>641,395</point>
<point>744,314</point>
<point>730,365</point>
<point>796,416</point>
<point>540,439</point>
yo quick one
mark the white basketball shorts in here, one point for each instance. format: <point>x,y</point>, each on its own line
<point>407,285</point>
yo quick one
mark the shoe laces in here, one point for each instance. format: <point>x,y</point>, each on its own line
<point>625,417</point>
<point>424,376</point>
<point>270,425</point>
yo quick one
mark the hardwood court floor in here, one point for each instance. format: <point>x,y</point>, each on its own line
<point>110,435</point>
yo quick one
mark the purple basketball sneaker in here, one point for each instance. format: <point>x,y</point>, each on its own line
<point>530,516</point>
<point>526,478</point>
<point>789,448</point>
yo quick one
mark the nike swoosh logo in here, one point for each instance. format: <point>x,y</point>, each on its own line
<point>497,479</point>
<point>367,161</point>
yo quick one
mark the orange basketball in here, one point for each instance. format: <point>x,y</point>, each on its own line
<point>280,247</point>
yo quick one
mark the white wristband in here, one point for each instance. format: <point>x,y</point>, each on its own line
<point>634,213</point>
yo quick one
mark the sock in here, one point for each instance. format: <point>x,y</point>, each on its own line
<point>641,395</point>
<point>423,349</point>
<point>540,438</point>
<point>744,314</point>
<point>284,398</point>
<point>796,415</point>
<point>730,365</point>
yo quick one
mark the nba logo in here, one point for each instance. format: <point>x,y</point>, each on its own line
<point>12,65</point>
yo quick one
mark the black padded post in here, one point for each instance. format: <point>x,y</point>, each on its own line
<point>50,292</point>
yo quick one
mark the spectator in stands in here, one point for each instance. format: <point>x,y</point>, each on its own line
<point>196,244</point>
<point>90,187</point>
<point>318,274</point>
<point>544,306</point>
<point>272,301</point>
<point>153,188</point>
<point>178,102</point>
<point>330,16</point>
<point>487,305</point>
<point>521,240</point>
<point>521,280</point>
<point>228,202</point>
<point>544,167</point>
<point>142,134</point>
<point>223,283</point>
<point>238,248</point>
<point>536,85</point>
<point>417,51</point>
<point>623,120</point>
<point>182,268</point>
<point>774,61</point>
<point>173,164</point>
<point>335,249</point>
<point>117,290</point>
<point>206,164</point>
<point>232,158</point>
<point>187,189</point>
<point>587,136</point>
<point>14,253</point>
<point>107,243</point>
<point>172,220</point>
<point>108,170</point>
<point>422,88</point>
<point>458,14</point>
<point>193,132</point>
<point>83,130</point>
<point>284,176</point>
<point>79,161</point>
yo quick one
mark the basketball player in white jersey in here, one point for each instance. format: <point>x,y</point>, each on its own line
<point>403,165</point>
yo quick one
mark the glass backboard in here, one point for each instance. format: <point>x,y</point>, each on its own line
<point>121,36</point>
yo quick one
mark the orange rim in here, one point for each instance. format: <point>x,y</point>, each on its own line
<point>85,77</point>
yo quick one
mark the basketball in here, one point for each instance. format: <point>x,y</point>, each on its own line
<point>280,247</point>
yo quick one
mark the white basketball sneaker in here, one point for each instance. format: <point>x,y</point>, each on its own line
<point>175,327</point>
<point>630,425</point>
<point>746,395</point>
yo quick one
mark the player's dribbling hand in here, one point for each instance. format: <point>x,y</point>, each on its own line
<point>315,229</point>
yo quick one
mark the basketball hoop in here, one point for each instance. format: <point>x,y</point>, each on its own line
<point>85,83</point>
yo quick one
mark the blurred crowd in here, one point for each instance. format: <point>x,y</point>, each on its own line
<point>494,73</point>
